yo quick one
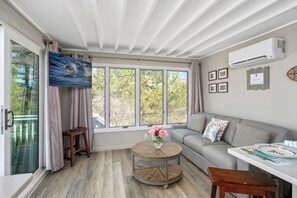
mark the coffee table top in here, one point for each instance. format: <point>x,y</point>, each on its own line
<point>146,149</point>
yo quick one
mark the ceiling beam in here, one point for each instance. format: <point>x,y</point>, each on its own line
<point>143,23</point>
<point>187,23</point>
<point>70,9</point>
<point>121,22</point>
<point>97,23</point>
<point>213,20</point>
<point>257,8</point>
<point>278,11</point>
<point>174,12</point>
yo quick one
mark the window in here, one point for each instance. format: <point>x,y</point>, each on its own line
<point>151,97</point>
<point>177,96</point>
<point>122,97</point>
<point>136,97</point>
<point>98,100</point>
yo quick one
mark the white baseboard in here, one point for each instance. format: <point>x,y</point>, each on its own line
<point>108,148</point>
<point>34,184</point>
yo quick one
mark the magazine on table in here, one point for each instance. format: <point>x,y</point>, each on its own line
<point>276,154</point>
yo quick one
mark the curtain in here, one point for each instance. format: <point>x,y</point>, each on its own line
<point>196,100</point>
<point>81,107</point>
<point>55,123</point>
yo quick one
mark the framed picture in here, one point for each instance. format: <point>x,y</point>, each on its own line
<point>223,73</point>
<point>258,78</point>
<point>212,88</point>
<point>223,87</point>
<point>212,75</point>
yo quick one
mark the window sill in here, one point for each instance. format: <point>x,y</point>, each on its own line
<point>129,129</point>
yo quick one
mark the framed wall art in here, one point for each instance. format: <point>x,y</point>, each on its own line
<point>223,87</point>
<point>65,71</point>
<point>212,88</point>
<point>223,73</point>
<point>212,75</point>
<point>258,78</point>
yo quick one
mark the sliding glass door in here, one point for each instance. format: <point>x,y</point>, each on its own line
<point>24,102</point>
<point>20,109</point>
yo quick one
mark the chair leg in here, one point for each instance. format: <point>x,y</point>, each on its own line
<point>267,194</point>
<point>87,144</point>
<point>222,192</point>
<point>213,191</point>
<point>71,150</point>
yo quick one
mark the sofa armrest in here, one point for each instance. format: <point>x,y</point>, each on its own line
<point>179,126</point>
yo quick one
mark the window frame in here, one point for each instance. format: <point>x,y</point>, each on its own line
<point>137,68</point>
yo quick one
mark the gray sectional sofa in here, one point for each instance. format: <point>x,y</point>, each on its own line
<point>205,153</point>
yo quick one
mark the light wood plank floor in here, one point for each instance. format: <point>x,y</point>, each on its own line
<point>106,174</point>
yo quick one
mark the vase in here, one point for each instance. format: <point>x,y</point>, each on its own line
<point>158,142</point>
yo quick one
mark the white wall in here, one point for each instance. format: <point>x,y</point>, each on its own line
<point>117,140</point>
<point>278,105</point>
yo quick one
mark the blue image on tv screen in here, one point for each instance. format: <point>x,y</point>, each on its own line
<point>69,72</point>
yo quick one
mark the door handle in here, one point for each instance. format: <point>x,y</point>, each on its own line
<point>1,120</point>
<point>7,120</point>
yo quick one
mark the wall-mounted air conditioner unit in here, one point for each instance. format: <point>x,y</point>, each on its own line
<point>265,51</point>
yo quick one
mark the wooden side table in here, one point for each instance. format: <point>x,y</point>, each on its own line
<point>73,147</point>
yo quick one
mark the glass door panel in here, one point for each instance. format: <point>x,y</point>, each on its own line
<point>24,103</point>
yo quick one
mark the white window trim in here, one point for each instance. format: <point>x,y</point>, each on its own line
<point>107,67</point>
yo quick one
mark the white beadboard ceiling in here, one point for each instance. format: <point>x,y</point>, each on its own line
<point>167,28</point>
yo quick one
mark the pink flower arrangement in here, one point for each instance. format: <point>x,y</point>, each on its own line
<point>158,131</point>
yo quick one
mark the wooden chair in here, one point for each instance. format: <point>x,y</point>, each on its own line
<point>73,146</point>
<point>242,182</point>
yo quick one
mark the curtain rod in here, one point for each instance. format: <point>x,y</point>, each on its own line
<point>112,56</point>
<point>144,59</point>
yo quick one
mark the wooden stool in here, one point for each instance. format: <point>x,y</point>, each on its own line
<point>73,147</point>
<point>242,182</point>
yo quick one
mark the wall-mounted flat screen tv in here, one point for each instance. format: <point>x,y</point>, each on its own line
<point>65,71</point>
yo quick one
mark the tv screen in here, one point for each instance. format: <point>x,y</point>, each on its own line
<point>69,72</point>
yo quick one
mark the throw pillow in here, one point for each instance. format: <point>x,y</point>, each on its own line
<point>247,135</point>
<point>211,132</point>
<point>222,124</point>
<point>197,122</point>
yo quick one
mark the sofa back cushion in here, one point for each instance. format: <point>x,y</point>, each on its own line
<point>246,135</point>
<point>196,122</point>
<point>208,117</point>
<point>278,134</point>
<point>230,130</point>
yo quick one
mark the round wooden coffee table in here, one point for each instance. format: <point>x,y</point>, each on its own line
<point>164,174</point>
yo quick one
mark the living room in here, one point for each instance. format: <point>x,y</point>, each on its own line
<point>206,38</point>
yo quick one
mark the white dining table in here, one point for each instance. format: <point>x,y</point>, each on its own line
<point>13,185</point>
<point>285,172</point>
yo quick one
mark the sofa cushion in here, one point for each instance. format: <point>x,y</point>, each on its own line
<point>208,117</point>
<point>278,134</point>
<point>196,142</point>
<point>230,129</point>
<point>179,134</point>
<point>247,135</point>
<point>218,155</point>
<point>196,122</point>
